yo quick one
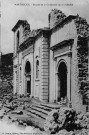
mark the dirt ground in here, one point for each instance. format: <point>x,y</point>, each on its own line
<point>8,125</point>
<point>15,121</point>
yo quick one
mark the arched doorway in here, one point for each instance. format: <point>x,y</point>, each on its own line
<point>28,77</point>
<point>62,81</point>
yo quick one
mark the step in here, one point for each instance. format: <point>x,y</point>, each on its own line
<point>43,107</point>
<point>30,114</point>
<point>39,114</point>
<point>35,101</point>
<point>47,105</point>
<point>51,106</point>
<point>23,99</point>
<point>39,109</point>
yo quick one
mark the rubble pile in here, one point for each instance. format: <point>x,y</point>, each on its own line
<point>65,119</point>
<point>6,74</point>
<point>10,103</point>
<point>82,121</point>
<point>59,121</point>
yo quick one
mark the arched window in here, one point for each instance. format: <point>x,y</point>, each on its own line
<point>28,68</point>
<point>17,39</point>
<point>37,69</point>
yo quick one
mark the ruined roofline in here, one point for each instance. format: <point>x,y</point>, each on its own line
<point>78,22</point>
<point>81,24</point>
<point>63,22</point>
<point>57,18</point>
<point>45,29</point>
<point>35,33</point>
<point>18,24</point>
<point>82,27</point>
<point>32,37</point>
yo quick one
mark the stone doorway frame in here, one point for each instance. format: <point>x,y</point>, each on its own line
<point>67,60</point>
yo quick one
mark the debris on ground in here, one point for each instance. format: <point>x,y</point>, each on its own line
<point>82,121</point>
<point>63,121</point>
<point>65,118</point>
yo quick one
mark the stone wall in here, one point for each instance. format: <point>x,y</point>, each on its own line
<point>82,26</point>
<point>75,96</point>
<point>17,77</point>
<point>82,54</point>
<point>56,16</point>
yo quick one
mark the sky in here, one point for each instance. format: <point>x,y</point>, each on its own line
<point>36,14</point>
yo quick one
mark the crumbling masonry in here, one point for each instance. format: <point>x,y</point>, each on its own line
<point>52,63</point>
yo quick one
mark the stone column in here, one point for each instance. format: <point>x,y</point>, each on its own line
<point>25,84</point>
<point>56,80</point>
<point>22,76</point>
<point>14,78</point>
<point>56,85</point>
<point>45,69</point>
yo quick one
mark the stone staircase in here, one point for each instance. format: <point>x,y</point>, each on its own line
<point>41,110</point>
<point>38,111</point>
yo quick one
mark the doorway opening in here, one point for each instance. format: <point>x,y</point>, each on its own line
<point>62,81</point>
<point>28,77</point>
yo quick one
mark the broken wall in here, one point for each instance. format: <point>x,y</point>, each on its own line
<point>56,16</point>
<point>82,58</point>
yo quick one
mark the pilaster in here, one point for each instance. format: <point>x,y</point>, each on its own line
<point>45,69</point>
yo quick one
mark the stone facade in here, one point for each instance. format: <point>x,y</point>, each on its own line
<point>52,63</point>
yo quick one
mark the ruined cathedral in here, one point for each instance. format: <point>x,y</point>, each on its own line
<point>53,62</point>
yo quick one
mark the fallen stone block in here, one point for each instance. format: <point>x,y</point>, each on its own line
<point>9,117</point>
<point>19,112</point>
<point>63,132</point>
<point>1,117</point>
<point>87,114</point>
<point>82,121</point>
<point>83,132</point>
<point>21,122</point>
<point>71,133</point>
<point>64,118</point>
<point>50,125</point>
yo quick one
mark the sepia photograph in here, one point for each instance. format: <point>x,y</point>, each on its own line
<point>44,67</point>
